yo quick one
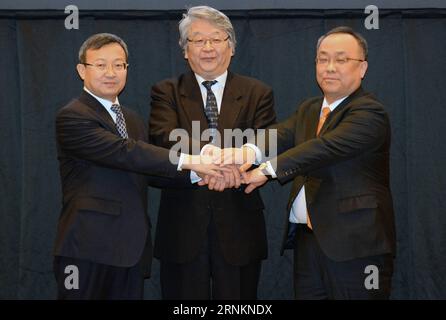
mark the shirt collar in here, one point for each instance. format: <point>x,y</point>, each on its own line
<point>221,79</point>
<point>334,104</point>
<point>105,103</point>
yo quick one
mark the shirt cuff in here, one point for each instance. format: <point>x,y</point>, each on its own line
<point>257,151</point>
<point>180,161</point>
<point>194,178</point>
<point>270,169</point>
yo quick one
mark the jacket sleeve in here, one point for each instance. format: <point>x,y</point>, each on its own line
<point>363,129</point>
<point>83,137</point>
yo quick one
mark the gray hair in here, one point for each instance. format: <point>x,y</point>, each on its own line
<point>347,30</point>
<point>211,15</point>
<point>99,40</point>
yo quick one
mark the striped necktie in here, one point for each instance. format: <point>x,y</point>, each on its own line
<point>211,109</point>
<point>120,121</point>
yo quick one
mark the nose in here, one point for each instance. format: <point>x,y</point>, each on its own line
<point>208,45</point>
<point>331,66</point>
<point>110,72</point>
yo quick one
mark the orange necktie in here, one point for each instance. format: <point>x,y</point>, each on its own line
<point>323,117</point>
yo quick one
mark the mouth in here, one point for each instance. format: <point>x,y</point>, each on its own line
<point>330,79</point>
<point>208,59</point>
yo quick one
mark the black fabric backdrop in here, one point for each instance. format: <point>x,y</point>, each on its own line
<point>38,76</point>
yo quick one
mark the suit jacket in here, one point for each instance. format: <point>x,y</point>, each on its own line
<point>104,204</point>
<point>184,215</point>
<point>345,172</point>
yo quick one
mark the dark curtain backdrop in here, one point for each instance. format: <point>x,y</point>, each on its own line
<point>38,76</point>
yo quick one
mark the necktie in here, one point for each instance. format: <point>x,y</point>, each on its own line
<point>323,117</point>
<point>120,121</point>
<point>211,109</point>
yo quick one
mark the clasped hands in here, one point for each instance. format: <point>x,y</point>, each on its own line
<point>228,168</point>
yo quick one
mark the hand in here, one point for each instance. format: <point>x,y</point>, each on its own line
<point>244,157</point>
<point>233,180</point>
<point>203,165</point>
<point>254,178</point>
<point>230,180</point>
<point>211,150</point>
<point>216,184</point>
<point>213,183</point>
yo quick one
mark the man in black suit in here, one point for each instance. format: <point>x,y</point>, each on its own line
<point>103,247</point>
<point>335,148</point>
<point>210,244</point>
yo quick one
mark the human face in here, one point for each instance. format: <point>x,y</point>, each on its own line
<point>209,61</point>
<point>108,83</point>
<point>339,80</point>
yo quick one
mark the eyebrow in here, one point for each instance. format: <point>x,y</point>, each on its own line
<point>216,33</point>
<point>336,53</point>
<point>105,60</point>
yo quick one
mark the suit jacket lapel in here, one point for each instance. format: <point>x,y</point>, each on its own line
<point>358,92</point>
<point>134,132</point>
<point>311,123</point>
<point>192,100</point>
<point>100,111</point>
<point>231,104</point>
<point>130,125</point>
<point>313,119</point>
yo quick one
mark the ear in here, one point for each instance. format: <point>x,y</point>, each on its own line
<point>81,70</point>
<point>364,66</point>
<point>232,48</point>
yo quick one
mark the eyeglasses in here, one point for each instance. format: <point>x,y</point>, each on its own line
<point>199,42</point>
<point>117,66</point>
<point>337,61</point>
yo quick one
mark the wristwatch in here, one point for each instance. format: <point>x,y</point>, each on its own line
<point>264,169</point>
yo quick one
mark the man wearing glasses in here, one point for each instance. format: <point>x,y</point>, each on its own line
<point>103,247</point>
<point>335,148</point>
<point>210,244</point>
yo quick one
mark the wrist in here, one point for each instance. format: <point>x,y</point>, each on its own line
<point>263,167</point>
<point>187,162</point>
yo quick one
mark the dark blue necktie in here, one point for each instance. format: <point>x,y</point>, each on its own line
<point>211,109</point>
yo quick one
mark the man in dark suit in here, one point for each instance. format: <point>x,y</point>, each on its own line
<point>103,247</point>
<point>335,148</point>
<point>210,244</point>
